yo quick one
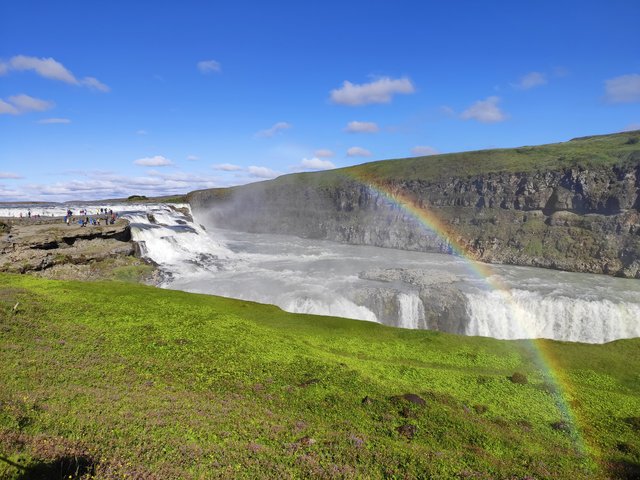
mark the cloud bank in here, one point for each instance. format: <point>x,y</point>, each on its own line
<point>623,89</point>
<point>531,80</point>
<point>155,161</point>
<point>50,69</point>
<point>273,130</point>
<point>381,90</point>
<point>362,127</point>
<point>262,172</point>
<point>424,150</point>
<point>227,167</point>
<point>46,121</point>
<point>358,152</point>
<point>316,164</point>
<point>20,104</point>
<point>485,111</point>
<point>209,66</point>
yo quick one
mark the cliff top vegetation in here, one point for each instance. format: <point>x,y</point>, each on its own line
<point>618,149</point>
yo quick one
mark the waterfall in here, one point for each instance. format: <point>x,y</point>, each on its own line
<point>527,314</point>
<point>411,311</point>
<point>324,278</point>
<point>175,243</point>
<point>338,307</point>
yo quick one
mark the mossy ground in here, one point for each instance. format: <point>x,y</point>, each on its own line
<point>115,380</point>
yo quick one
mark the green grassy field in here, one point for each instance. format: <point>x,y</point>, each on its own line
<point>116,380</point>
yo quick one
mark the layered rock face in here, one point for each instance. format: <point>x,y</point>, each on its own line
<point>583,219</point>
<point>38,245</point>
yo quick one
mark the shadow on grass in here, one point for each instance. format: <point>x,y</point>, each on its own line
<point>70,467</point>
<point>625,470</point>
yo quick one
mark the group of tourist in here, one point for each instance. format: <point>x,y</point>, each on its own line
<point>103,215</point>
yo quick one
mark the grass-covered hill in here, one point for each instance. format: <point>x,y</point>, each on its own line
<point>617,149</point>
<point>587,152</point>
<point>114,380</point>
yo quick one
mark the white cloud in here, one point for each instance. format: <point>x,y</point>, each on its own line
<point>631,127</point>
<point>361,127</point>
<point>11,175</point>
<point>141,132</point>
<point>94,84</point>
<point>262,172</point>
<point>323,153</point>
<point>378,91</point>
<point>531,80</point>
<point>155,161</point>
<point>358,152</point>
<point>53,70</point>
<point>46,121</point>
<point>45,67</point>
<point>623,89</point>
<point>7,108</point>
<point>193,158</point>
<point>275,128</point>
<point>94,185</point>
<point>9,194</point>
<point>485,111</point>
<point>25,103</point>
<point>4,68</point>
<point>209,66</point>
<point>227,167</point>
<point>316,164</point>
<point>19,104</point>
<point>424,150</point>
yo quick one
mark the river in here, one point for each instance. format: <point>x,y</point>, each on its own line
<point>395,287</point>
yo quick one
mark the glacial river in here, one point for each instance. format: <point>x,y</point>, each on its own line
<point>395,287</point>
<point>401,288</point>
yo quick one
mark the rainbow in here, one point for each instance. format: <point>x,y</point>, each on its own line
<point>543,355</point>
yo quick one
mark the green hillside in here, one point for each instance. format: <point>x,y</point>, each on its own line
<point>113,380</point>
<point>600,150</point>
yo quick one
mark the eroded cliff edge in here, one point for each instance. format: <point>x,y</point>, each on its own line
<point>572,206</point>
<point>50,248</point>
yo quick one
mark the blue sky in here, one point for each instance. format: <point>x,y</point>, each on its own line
<point>109,99</point>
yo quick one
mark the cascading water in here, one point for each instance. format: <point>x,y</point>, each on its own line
<point>411,311</point>
<point>169,238</point>
<point>392,286</point>
<point>526,314</point>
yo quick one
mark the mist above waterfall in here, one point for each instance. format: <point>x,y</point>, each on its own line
<point>395,287</point>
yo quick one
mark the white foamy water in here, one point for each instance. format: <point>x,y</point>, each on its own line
<point>171,240</point>
<point>531,314</point>
<point>321,277</point>
<point>411,311</point>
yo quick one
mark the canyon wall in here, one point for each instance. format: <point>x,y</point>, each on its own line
<point>583,218</point>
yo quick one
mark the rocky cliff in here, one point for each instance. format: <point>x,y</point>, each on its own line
<point>50,248</point>
<point>572,206</point>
